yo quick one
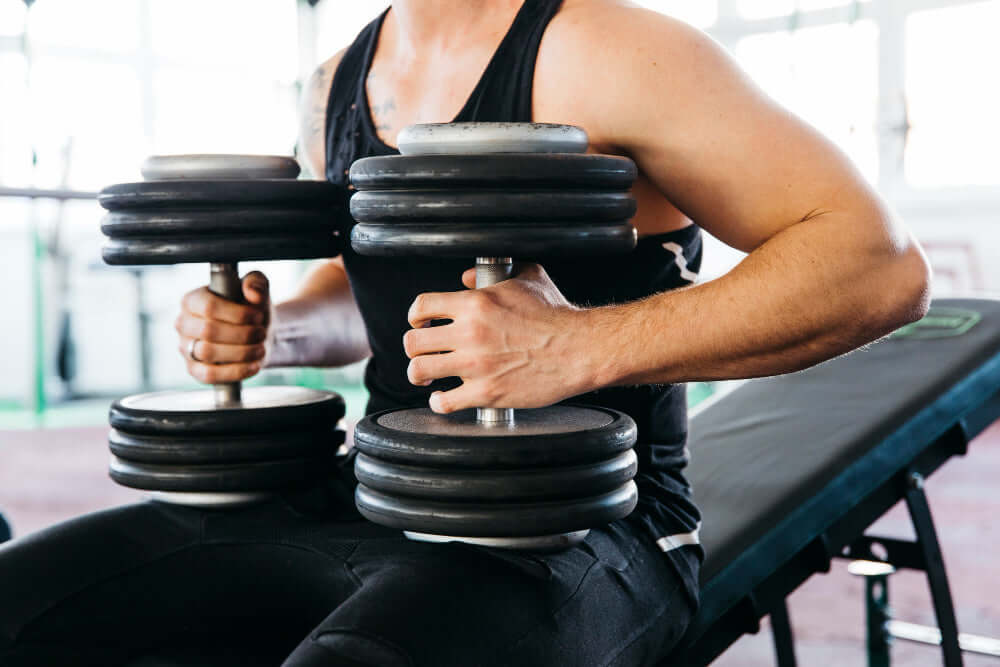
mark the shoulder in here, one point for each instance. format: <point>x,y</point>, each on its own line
<point>602,56</point>
<point>312,115</point>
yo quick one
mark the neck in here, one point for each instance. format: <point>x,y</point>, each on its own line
<point>422,25</point>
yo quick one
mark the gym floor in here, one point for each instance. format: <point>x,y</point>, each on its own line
<point>50,475</point>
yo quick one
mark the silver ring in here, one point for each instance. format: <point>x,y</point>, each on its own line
<point>194,341</point>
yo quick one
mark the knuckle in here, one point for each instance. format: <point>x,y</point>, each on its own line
<point>207,331</point>
<point>409,342</point>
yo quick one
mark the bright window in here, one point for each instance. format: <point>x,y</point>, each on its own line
<point>953,109</point>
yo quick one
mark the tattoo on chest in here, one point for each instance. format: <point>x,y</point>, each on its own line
<point>381,111</point>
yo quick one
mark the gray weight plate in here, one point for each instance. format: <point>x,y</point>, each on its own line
<point>219,478</point>
<point>216,166</point>
<point>518,171</point>
<point>233,448</point>
<point>167,250</point>
<point>229,221</point>
<point>495,519</point>
<point>453,138</point>
<point>558,435</point>
<point>524,484</point>
<point>507,206</point>
<point>263,410</point>
<point>523,240</point>
<point>183,194</point>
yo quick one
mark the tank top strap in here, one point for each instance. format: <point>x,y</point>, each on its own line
<point>345,141</point>
<point>504,92</point>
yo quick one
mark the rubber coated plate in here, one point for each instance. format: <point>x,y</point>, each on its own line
<point>234,448</point>
<point>516,171</point>
<point>159,167</point>
<point>222,478</point>
<point>188,224</point>
<point>523,240</point>
<point>496,485</point>
<point>288,193</point>
<point>453,138</point>
<point>507,206</point>
<point>263,410</point>
<point>166,250</point>
<point>553,436</point>
<point>495,519</point>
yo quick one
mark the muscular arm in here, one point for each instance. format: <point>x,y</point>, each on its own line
<point>320,325</point>
<point>829,266</point>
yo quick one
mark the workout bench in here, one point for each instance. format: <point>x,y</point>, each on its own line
<point>790,471</point>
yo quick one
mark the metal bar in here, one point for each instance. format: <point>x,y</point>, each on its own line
<point>784,640</point>
<point>225,282</point>
<point>877,617</point>
<point>925,634</point>
<point>937,577</point>
<point>43,193</point>
<point>490,271</point>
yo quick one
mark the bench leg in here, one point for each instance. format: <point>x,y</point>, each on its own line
<point>937,578</point>
<point>784,642</point>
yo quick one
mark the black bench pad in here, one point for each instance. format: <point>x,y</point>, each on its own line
<point>778,461</point>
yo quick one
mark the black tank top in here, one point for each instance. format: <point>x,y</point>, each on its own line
<point>385,287</point>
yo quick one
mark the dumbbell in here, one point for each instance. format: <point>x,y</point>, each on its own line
<point>524,479</point>
<point>228,444</point>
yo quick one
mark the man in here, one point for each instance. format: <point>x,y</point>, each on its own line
<point>829,269</point>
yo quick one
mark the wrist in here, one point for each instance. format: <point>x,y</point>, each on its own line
<point>597,336</point>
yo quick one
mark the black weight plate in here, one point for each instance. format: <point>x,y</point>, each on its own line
<point>214,166</point>
<point>524,484</point>
<point>197,223</point>
<point>286,192</point>
<point>520,240</point>
<point>495,519</point>
<point>263,410</point>
<point>235,448</point>
<point>218,478</point>
<point>554,436</point>
<point>506,170</point>
<point>167,250</point>
<point>506,206</point>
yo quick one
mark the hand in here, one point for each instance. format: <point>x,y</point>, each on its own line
<point>229,337</point>
<point>516,344</point>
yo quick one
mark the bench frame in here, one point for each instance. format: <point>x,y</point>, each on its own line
<point>945,437</point>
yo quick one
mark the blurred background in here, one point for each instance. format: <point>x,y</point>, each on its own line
<point>88,89</point>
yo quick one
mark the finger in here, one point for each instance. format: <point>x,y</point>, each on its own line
<point>221,373</point>
<point>215,331</point>
<point>429,340</point>
<point>460,398</point>
<point>469,278</point>
<point>206,305</point>
<point>421,371</point>
<point>256,288</point>
<point>216,353</point>
<point>434,306</point>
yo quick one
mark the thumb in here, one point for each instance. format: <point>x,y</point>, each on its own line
<point>256,289</point>
<point>469,278</point>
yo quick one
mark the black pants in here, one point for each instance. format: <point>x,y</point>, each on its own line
<point>305,581</point>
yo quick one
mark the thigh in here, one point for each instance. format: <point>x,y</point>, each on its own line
<point>110,586</point>
<point>612,600</point>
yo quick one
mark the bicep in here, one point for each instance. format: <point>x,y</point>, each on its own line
<point>727,155</point>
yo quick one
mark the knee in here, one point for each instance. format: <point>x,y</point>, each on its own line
<point>345,648</point>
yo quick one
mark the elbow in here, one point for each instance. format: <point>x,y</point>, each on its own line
<point>904,287</point>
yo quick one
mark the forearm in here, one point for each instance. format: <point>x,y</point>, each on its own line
<point>816,290</point>
<point>320,325</point>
